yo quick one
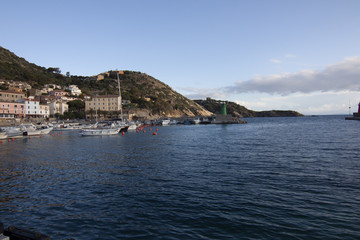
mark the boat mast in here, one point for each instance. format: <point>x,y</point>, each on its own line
<point>117,73</point>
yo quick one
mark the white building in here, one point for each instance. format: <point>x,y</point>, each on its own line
<point>58,107</point>
<point>44,111</point>
<point>32,107</point>
<point>74,90</point>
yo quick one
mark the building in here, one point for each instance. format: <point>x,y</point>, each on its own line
<point>74,90</point>
<point>104,103</point>
<point>44,110</point>
<point>11,96</point>
<point>35,92</point>
<point>58,107</point>
<point>32,107</point>
<point>12,110</point>
<point>58,93</point>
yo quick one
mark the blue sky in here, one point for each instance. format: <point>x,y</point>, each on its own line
<point>263,54</point>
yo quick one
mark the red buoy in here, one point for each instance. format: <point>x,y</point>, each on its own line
<point>154,133</point>
<point>144,131</point>
<point>123,133</point>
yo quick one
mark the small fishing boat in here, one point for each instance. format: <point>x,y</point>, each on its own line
<point>100,130</point>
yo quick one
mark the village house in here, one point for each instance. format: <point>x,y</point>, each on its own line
<point>58,107</point>
<point>74,90</point>
<point>45,110</point>
<point>11,96</point>
<point>58,93</point>
<point>12,110</point>
<point>32,107</point>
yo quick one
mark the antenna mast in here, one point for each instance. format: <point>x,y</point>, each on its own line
<point>118,79</point>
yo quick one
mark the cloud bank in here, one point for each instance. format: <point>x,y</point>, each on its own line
<point>344,75</point>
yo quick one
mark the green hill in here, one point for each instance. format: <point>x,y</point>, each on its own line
<point>143,91</point>
<point>235,109</point>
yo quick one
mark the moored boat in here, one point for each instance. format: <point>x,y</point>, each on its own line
<point>29,129</point>
<point>100,130</point>
<point>3,134</point>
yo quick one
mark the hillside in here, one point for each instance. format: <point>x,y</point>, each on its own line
<point>145,93</point>
<point>235,109</point>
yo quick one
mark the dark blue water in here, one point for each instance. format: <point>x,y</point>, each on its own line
<point>273,178</point>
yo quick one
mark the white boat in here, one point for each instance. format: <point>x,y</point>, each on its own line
<point>165,122</point>
<point>13,132</point>
<point>100,130</point>
<point>29,129</point>
<point>197,120</point>
<point>45,129</point>
<point>3,135</point>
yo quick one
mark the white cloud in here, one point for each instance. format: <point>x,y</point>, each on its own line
<point>275,60</point>
<point>201,93</point>
<point>344,75</point>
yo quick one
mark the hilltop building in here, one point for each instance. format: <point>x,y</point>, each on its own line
<point>11,96</point>
<point>74,90</point>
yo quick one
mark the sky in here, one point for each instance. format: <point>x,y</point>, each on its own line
<point>263,54</point>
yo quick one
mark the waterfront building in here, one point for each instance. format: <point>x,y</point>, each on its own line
<point>104,103</point>
<point>58,107</point>
<point>32,107</point>
<point>11,96</point>
<point>44,110</point>
<point>12,110</point>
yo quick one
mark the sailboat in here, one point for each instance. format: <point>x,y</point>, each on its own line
<point>107,128</point>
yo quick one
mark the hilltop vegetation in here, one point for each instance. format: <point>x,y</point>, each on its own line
<point>235,109</point>
<point>144,92</point>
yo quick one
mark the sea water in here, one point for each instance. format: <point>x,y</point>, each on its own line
<point>273,178</point>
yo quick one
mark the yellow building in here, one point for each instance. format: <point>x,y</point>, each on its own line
<point>104,103</point>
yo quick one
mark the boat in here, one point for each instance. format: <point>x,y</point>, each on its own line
<point>13,132</point>
<point>173,122</point>
<point>45,128</point>
<point>3,134</point>
<point>100,130</point>
<point>133,126</point>
<point>196,120</point>
<point>165,122</point>
<point>29,129</point>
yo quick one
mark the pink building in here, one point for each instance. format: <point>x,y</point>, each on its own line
<point>12,110</point>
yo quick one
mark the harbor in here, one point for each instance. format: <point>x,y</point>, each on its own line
<point>215,181</point>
